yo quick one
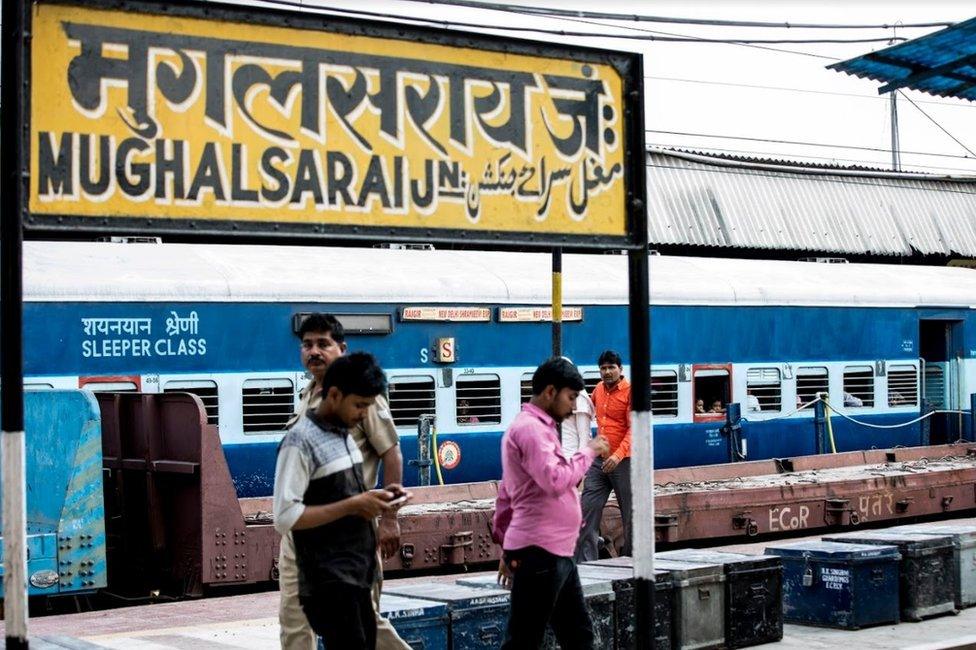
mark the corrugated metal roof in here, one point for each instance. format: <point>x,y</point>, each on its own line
<point>942,63</point>
<point>705,201</point>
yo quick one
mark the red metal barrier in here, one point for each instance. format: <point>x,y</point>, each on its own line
<point>173,519</point>
<point>175,523</point>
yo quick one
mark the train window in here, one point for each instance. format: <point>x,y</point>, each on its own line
<point>858,386</point>
<point>411,397</point>
<point>526,388</point>
<point>479,399</point>
<point>934,386</point>
<point>664,394</point>
<point>267,404</point>
<point>114,386</point>
<point>205,390</point>
<point>764,390</point>
<point>809,382</point>
<point>902,386</point>
<point>712,389</point>
<point>590,379</point>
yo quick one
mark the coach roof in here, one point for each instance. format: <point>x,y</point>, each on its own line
<point>106,272</point>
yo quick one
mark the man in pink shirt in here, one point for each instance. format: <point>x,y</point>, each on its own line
<point>537,515</point>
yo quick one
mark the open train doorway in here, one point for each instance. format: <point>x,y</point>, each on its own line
<point>940,348</point>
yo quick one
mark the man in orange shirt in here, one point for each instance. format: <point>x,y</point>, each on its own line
<point>611,397</point>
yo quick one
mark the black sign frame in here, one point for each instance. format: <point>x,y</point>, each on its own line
<point>628,65</point>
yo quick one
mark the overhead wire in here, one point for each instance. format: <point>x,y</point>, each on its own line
<point>806,143</point>
<point>605,15</point>
<point>935,122</point>
<point>650,35</point>
<point>874,97</point>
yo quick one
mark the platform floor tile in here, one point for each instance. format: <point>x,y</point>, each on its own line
<point>244,635</point>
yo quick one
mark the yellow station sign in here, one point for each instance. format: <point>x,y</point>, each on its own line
<point>182,118</point>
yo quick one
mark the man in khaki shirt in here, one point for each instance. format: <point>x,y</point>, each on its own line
<point>323,341</point>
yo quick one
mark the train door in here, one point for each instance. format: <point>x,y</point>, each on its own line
<point>940,346</point>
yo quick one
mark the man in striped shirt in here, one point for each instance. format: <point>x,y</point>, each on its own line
<point>321,499</point>
<point>323,341</point>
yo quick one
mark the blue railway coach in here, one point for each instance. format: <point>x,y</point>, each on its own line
<point>460,332</point>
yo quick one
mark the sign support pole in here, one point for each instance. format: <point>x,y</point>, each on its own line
<point>557,301</point>
<point>12,203</point>
<point>642,449</point>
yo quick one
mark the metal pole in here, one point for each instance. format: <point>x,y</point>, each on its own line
<point>423,461</point>
<point>972,418</point>
<point>819,426</point>
<point>12,203</point>
<point>895,146</point>
<point>925,431</point>
<point>557,301</point>
<point>642,449</point>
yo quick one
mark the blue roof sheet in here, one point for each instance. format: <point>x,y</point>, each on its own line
<point>942,63</point>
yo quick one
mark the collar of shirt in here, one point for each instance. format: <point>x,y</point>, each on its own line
<point>546,419</point>
<point>620,385</point>
<point>311,387</point>
<point>325,425</point>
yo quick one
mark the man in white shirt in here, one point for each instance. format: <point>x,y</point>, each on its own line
<point>752,402</point>
<point>576,429</point>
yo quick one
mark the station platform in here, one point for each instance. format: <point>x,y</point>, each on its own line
<point>250,622</point>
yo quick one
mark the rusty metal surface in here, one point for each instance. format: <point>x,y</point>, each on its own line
<point>832,491</point>
<point>172,516</point>
<point>175,523</point>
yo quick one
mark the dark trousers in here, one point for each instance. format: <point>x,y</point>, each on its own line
<point>343,616</point>
<point>597,486</point>
<point>546,591</point>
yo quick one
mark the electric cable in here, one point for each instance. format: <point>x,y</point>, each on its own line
<point>603,15</point>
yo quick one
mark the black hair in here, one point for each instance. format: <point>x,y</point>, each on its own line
<point>319,322</point>
<point>557,372</point>
<point>610,357</point>
<point>356,373</point>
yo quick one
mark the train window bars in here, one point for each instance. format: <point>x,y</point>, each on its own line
<point>411,397</point>
<point>267,404</point>
<point>205,390</point>
<point>525,388</point>
<point>858,386</point>
<point>590,379</point>
<point>764,390</point>
<point>664,393</point>
<point>479,399</point>
<point>934,386</point>
<point>809,382</point>
<point>903,385</point>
